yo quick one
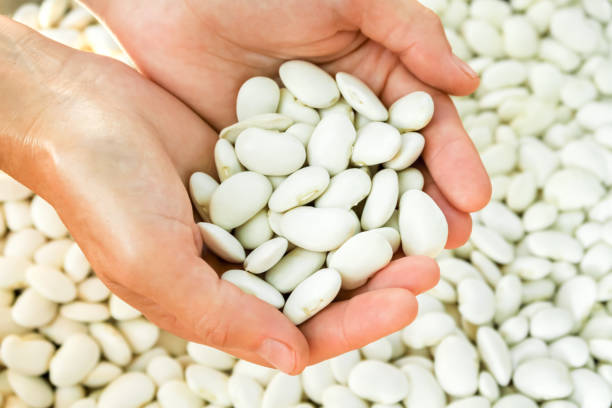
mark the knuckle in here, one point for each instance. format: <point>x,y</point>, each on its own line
<point>212,326</point>
<point>431,17</point>
<point>213,329</point>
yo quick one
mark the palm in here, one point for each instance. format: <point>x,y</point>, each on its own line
<point>118,181</point>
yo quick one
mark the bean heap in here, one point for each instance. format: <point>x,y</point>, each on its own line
<point>521,318</point>
<point>279,158</point>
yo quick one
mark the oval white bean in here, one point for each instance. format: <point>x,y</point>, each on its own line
<point>221,242</point>
<point>346,189</point>
<point>239,198</point>
<point>318,229</point>
<point>376,143</point>
<point>423,227</point>
<point>331,144</point>
<point>360,97</point>
<point>269,152</point>
<point>309,83</point>
<point>255,286</point>
<point>256,96</point>
<point>312,295</point>
<point>300,188</point>
<point>360,257</point>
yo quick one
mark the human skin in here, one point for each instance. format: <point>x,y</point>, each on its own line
<point>112,152</point>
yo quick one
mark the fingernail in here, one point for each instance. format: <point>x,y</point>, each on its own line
<point>464,67</point>
<point>278,355</point>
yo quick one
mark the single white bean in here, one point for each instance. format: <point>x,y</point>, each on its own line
<point>376,143</point>
<point>378,382</point>
<point>423,227</point>
<point>309,83</point>
<point>269,152</point>
<point>239,198</point>
<point>74,360</point>
<point>256,96</point>
<point>51,283</point>
<point>382,200</point>
<point>130,390</point>
<point>255,231</point>
<point>312,295</point>
<point>221,242</point>
<point>299,188</point>
<point>318,229</point>
<point>255,286</point>
<point>210,356</point>
<point>346,189</point>
<point>360,257</point>
<point>293,268</point>
<point>411,112</point>
<point>360,97</point>
<point>331,144</point>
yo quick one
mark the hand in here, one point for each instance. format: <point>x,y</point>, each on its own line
<point>203,50</point>
<point>112,152</point>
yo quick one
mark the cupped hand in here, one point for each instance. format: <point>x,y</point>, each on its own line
<point>203,50</point>
<point>112,152</point>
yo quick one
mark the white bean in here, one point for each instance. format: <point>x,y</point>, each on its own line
<point>309,83</point>
<point>312,295</point>
<point>423,227</point>
<point>255,286</point>
<point>257,95</point>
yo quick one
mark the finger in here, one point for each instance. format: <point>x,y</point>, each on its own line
<point>459,222</point>
<point>353,323</point>
<point>223,316</point>
<point>414,273</point>
<point>416,35</point>
<point>449,153</point>
<point>168,322</point>
<point>211,311</point>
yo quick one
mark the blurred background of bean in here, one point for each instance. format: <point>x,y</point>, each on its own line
<point>9,6</point>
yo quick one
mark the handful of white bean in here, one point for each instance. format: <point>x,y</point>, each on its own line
<point>314,165</point>
<point>521,318</point>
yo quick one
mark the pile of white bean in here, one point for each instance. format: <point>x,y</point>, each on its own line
<point>522,316</point>
<point>279,158</point>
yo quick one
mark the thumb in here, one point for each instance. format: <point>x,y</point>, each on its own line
<point>220,315</point>
<point>416,35</point>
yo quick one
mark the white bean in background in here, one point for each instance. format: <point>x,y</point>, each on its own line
<point>522,313</point>
<point>378,382</point>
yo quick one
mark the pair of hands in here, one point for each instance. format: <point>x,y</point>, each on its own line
<point>112,151</point>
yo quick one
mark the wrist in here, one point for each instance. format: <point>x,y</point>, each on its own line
<point>27,66</point>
